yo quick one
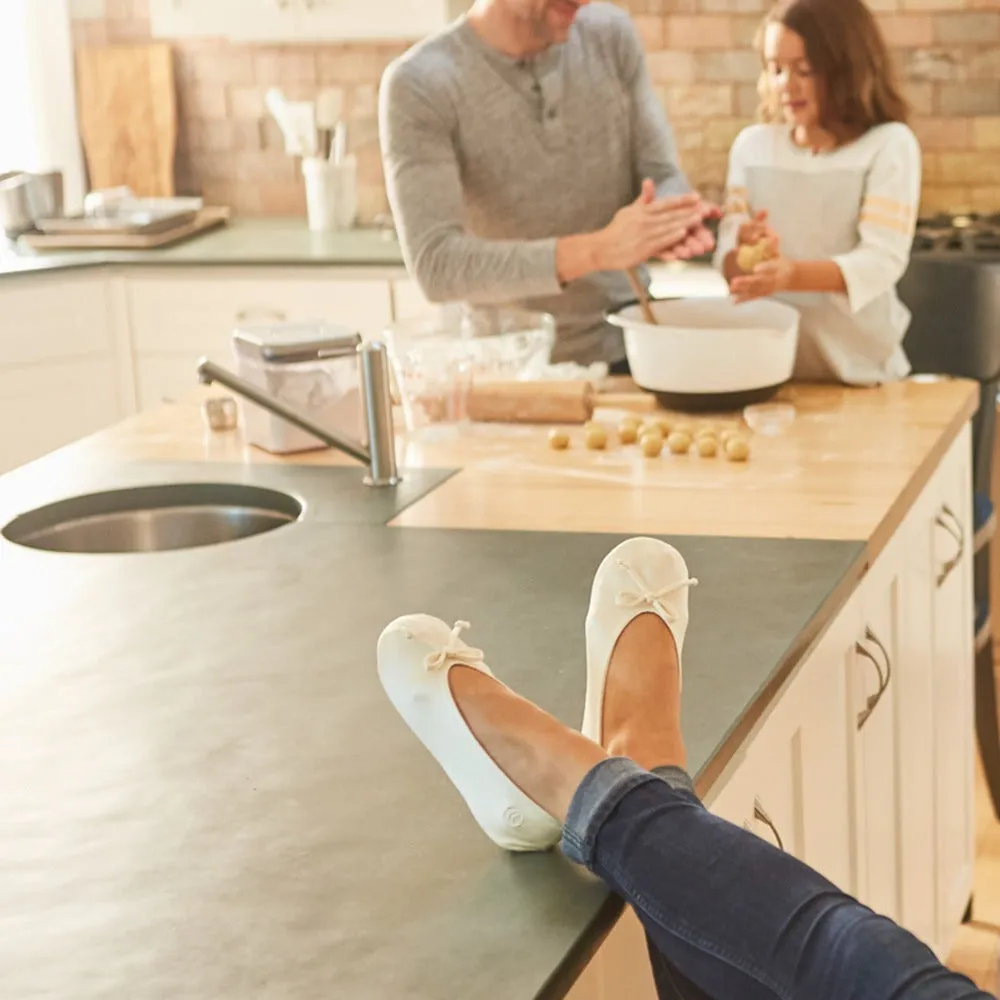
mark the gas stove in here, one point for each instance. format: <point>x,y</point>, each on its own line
<point>970,235</point>
<point>952,288</point>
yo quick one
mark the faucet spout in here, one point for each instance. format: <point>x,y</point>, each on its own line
<point>379,456</point>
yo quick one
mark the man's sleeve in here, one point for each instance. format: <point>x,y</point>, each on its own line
<point>425,193</point>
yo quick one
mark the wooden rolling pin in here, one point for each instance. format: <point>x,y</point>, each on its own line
<point>542,402</point>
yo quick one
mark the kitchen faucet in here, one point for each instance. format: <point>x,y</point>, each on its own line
<point>379,455</point>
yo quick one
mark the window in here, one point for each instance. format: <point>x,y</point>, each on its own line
<point>38,126</point>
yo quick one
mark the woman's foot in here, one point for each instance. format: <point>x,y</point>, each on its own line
<point>424,666</point>
<point>636,625</point>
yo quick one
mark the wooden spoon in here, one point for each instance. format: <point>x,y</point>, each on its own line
<point>639,290</point>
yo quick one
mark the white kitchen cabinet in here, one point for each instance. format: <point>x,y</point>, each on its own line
<point>178,315</point>
<point>60,370</point>
<point>275,21</point>
<point>954,655</point>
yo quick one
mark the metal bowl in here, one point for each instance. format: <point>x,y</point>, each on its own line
<point>16,215</point>
<point>25,198</point>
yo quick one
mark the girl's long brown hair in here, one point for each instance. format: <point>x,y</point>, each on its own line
<point>854,70</point>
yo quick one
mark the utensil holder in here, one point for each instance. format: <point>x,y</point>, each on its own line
<point>331,193</point>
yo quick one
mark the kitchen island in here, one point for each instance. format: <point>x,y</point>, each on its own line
<point>205,793</point>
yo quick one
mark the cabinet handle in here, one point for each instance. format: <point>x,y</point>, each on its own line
<point>761,816</point>
<point>948,520</point>
<point>883,677</point>
<point>261,313</point>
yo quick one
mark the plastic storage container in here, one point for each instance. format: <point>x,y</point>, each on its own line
<point>312,367</point>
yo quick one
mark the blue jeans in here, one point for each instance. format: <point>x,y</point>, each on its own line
<point>727,915</point>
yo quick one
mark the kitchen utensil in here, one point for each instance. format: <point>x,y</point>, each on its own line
<point>128,116</point>
<point>710,354</point>
<point>329,117</point>
<point>312,367</point>
<point>639,290</point>
<point>770,419</point>
<point>339,152</point>
<point>541,402</point>
<point>16,216</point>
<point>277,104</point>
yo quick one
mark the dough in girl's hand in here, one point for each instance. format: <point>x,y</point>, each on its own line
<point>750,255</point>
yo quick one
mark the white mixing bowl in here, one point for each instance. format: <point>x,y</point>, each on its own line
<point>710,353</point>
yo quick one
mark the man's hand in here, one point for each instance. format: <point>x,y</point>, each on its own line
<point>649,227</point>
<point>769,278</point>
<point>665,228</point>
<point>698,240</point>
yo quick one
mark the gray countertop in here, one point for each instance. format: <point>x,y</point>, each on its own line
<point>205,793</point>
<point>272,242</point>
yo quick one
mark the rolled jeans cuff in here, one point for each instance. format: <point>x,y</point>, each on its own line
<point>605,785</point>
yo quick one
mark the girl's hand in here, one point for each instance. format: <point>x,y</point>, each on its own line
<point>757,229</point>
<point>769,278</point>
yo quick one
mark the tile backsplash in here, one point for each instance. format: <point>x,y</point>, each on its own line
<point>700,59</point>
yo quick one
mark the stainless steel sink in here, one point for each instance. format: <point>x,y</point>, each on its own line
<point>154,518</point>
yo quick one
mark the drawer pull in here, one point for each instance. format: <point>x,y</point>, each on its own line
<point>260,313</point>
<point>883,676</point>
<point>948,520</point>
<point>761,816</point>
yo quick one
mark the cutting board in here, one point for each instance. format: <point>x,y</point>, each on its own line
<point>208,218</point>
<point>128,116</point>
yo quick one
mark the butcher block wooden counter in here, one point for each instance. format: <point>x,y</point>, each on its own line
<point>849,467</point>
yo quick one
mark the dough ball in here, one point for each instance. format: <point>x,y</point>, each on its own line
<point>651,444</point>
<point>628,431</point>
<point>595,437</point>
<point>707,446</point>
<point>558,439</point>
<point>679,443</point>
<point>737,449</point>
<point>749,256</point>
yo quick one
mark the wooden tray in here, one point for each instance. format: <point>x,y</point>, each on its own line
<point>77,225</point>
<point>206,219</point>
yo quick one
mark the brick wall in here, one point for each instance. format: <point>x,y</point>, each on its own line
<point>700,59</point>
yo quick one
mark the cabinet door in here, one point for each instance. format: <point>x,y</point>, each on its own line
<point>45,407</point>
<point>59,369</point>
<point>954,655</point>
<point>872,718</point>
<point>792,786</point>
<point>177,316</point>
